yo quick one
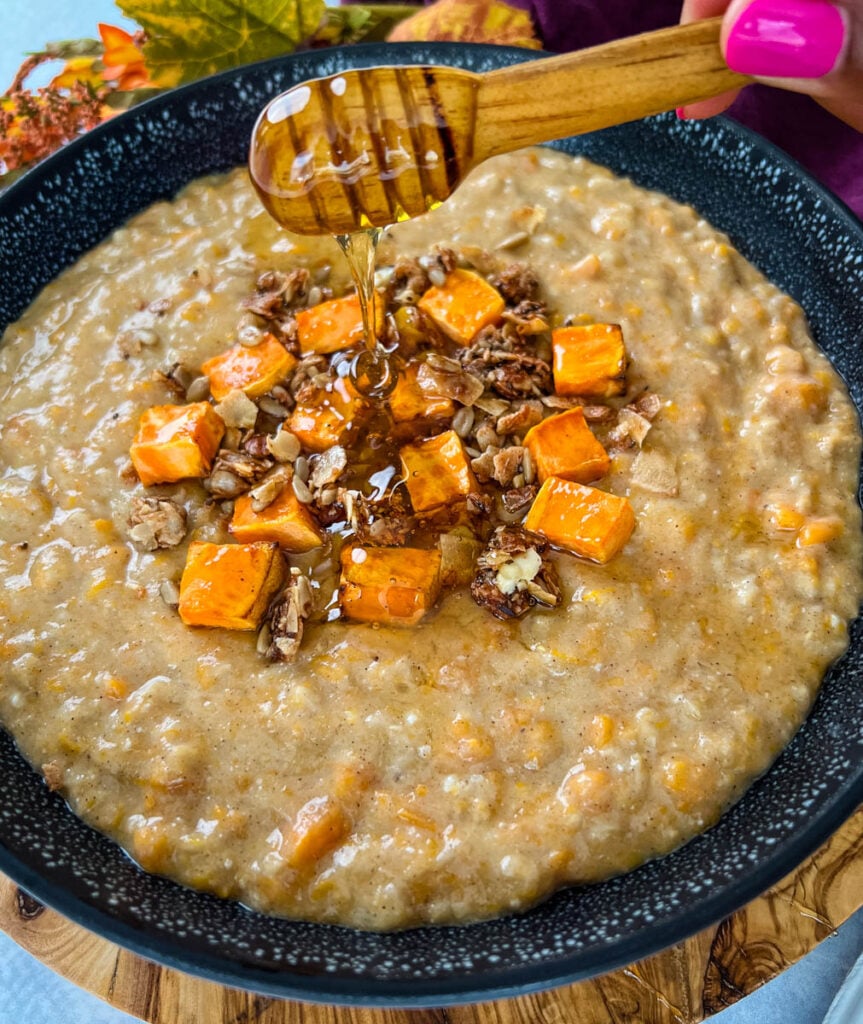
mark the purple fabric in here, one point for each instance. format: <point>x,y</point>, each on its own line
<point>829,149</point>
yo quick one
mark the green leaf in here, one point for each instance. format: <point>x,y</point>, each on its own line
<point>126,100</point>
<point>66,49</point>
<point>367,23</point>
<point>187,39</point>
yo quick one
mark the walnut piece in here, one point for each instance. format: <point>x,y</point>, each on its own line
<point>287,619</point>
<point>527,317</point>
<point>522,418</point>
<point>408,282</point>
<point>514,574</point>
<point>384,523</point>
<point>276,298</point>
<point>156,523</point>
<point>503,363</point>
<point>506,464</point>
<point>516,283</point>
<point>519,499</point>
<point>234,473</point>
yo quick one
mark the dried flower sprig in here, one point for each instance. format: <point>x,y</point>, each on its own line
<point>34,123</point>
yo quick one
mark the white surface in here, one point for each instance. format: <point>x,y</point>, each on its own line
<point>31,994</point>
<point>847,1007</point>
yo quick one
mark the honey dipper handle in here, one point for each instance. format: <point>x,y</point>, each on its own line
<point>621,81</point>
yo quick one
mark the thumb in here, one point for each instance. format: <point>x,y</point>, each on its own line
<point>809,46</point>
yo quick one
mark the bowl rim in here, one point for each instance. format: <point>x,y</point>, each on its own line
<point>458,989</point>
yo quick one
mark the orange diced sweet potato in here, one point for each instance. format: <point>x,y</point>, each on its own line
<point>409,401</point>
<point>176,441</point>
<point>564,445</point>
<point>589,360</point>
<point>335,324</point>
<point>254,369</point>
<point>584,520</point>
<point>820,530</point>
<point>323,417</point>
<point>319,827</point>
<point>286,521</point>
<point>151,846</point>
<point>394,586</point>
<point>782,516</point>
<point>462,305</point>
<point>229,585</point>
<point>437,472</point>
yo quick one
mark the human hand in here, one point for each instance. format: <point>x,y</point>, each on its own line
<point>809,46</point>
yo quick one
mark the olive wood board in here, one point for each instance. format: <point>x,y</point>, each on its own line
<point>685,984</point>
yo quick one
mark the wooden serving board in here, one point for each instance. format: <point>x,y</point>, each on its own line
<point>682,985</point>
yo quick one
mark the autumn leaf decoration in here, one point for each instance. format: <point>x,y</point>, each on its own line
<point>35,123</point>
<point>182,40</point>
<point>187,39</point>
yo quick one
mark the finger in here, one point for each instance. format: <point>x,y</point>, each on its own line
<point>695,10</point>
<point>808,46</point>
<point>846,108</point>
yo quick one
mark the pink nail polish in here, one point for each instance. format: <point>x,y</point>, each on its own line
<point>787,39</point>
<point>681,113</point>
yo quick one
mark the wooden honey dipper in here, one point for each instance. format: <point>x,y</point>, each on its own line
<point>372,146</point>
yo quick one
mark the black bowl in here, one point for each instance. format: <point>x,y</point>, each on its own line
<point>789,227</point>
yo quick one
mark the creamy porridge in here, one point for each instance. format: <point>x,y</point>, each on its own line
<point>549,718</point>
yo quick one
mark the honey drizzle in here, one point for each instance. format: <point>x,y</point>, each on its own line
<point>356,151</point>
<point>372,371</point>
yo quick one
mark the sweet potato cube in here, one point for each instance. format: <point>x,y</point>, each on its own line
<point>409,401</point>
<point>462,305</point>
<point>285,521</point>
<point>319,827</point>
<point>394,586</point>
<point>176,441</point>
<point>584,520</point>
<point>564,445</point>
<point>335,324</point>
<point>589,360</point>
<point>437,472</point>
<point>820,530</point>
<point>229,585</point>
<point>254,369</point>
<point>326,416</point>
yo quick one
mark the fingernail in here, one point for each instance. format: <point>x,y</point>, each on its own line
<point>681,113</point>
<point>787,39</point>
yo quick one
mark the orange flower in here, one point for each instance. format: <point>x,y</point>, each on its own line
<point>123,59</point>
<point>78,69</point>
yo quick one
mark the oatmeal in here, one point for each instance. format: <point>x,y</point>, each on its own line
<point>549,717</point>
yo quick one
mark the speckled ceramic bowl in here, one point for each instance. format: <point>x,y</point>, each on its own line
<point>786,225</point>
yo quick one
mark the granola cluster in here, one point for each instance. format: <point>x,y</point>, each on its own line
<point>449,464</point>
